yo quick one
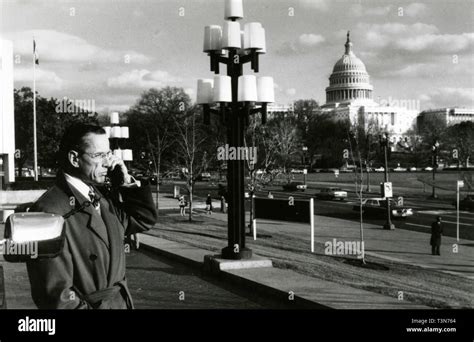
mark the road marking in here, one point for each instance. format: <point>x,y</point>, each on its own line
<point>422,225</point>
<point>461,224</point>
<point>460,217</point>
<point>418,225</point>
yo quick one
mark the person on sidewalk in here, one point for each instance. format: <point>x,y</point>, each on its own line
<point>270,195</point>
<point>89,272</point>
<point>209,204</point>
<point>182,205</point>
<point>223,204</point>
<point>436,233</point>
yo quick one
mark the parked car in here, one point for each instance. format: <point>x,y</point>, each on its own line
<point>293,186</point>
<point>379,169</point>
<point>378,207</point>
<point>400,169</point>
<point>467,203</point>
<point>428,168</point>
<point>412,169</point>
<point>332,193</point>
<point>297,171</point>
<point>205,176</point>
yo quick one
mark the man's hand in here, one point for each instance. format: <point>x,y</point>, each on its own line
<point>116,161</point>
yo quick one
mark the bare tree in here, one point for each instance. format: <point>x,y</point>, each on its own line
<point>152,129</point>
<point>354,144</point>
<point>190,141</point>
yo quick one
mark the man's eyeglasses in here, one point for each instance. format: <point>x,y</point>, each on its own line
<point>100,155</point>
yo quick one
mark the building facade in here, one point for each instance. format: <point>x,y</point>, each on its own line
<point>7,114</point>
<point>450,116</point>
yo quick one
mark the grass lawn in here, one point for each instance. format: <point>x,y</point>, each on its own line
<point>423,286</point>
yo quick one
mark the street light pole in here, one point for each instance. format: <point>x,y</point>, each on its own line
<point>388,224</point>
<point>434,148</point>
<point>236,95</point>
<point>305,149</point>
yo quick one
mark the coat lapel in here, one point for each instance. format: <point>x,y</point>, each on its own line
<point>115,236</point>
<point>94,221</point>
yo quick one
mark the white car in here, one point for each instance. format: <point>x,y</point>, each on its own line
<point>379,169</point>
<point>332,193</point>
<point>296,171</point>
<point>428,168</point>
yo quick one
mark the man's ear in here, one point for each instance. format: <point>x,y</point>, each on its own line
<point>73,158</point>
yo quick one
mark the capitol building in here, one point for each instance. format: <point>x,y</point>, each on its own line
<point>350,96</point>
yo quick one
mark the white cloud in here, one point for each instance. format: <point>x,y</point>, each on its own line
<point>415,9</point>
<point>54,46</point>
<point>418,38</point>
<point>414,71</point>
<point>440,44</point>
<point>142,79</point>
<point>290,91</point>
<point>321,5</point>
<point>310,39</point>
<point>45,79</point>
<point>303,44</point>
<point>358,10</point>
<point>448,97</point>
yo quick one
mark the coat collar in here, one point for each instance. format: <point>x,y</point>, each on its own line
<point>77,199</point>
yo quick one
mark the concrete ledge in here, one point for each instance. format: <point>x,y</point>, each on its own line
<point>186,254</point>
<point>215,263</point>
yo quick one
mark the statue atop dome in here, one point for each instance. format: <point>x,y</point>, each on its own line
<point>348,44</point>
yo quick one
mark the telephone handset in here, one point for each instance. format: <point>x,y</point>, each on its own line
<point>115,176</point>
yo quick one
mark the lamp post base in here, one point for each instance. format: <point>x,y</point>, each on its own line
<point>230,253</point>
<point>389,226</point>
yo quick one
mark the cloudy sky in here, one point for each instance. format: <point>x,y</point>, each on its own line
<point>111,51</point>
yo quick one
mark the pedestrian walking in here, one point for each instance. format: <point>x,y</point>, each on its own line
<point>436,233</point>
<point>209,204</point>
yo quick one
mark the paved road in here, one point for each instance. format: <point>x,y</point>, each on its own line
<point>425,213</point>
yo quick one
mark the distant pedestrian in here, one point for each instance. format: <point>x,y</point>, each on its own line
<point>270,195</point>
<point>436,233</point>
<point>209,204</point>
<point>182,205</point>
<point>223,204</point>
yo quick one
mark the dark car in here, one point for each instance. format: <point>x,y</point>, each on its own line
<point>467,203</point>
<point>294,186</point>
<point>378,207</point>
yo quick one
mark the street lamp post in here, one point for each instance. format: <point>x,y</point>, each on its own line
<point>384,141</point>
<point>434,149</point>
<point>305,149</point>
<point>236,95</point>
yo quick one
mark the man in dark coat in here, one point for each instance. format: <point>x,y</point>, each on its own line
<point>436,233</point>
<point>89,273</point>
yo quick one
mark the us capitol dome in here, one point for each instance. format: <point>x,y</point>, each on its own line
<point>349,81</point>
<point>349,96</point>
